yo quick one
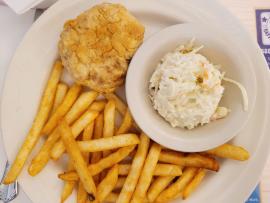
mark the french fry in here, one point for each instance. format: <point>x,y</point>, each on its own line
<point>98,132</point>
<point>167,170</point>
<point>112,197</point>
<point>126,123</point>
<point>70,176</point>
<point>128,159</point>
<point>158,186</point>
<point>120,182</point>
<point>77,159</point>
<point>205,162</point>
<point>109,120</point>
<point>125,169</point>
<point>172,157</point>
<point>43,156</point>
<point>77,127</point>
<point>60,112</point>
<point>110,160</point>
<point>108,143</point>
<point>147,173</point>
<point>174,190</point>
<point>230,151</point>
<point>81,193</point>
<point>42,115</point>
<point>98,105</point>
<point>135,171</point>
<point>60,94</point>
<point>104,163</point>
<point>80,106</point>
<point>87,135</point>
<point>67,190</point>
<point>160,170</point>
<point>194,183</point>
<point>121,107</point>
<point>192,160</point>
<point>68,185</point>
<point>107,184</point>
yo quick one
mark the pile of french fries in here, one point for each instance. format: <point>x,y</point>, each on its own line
<point>109,163</point>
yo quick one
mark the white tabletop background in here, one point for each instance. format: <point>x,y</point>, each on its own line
<point>15,26</point>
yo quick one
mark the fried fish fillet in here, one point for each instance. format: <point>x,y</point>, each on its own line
<point>97,46</point>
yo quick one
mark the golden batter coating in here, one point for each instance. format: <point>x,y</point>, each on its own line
<point>97,46</point>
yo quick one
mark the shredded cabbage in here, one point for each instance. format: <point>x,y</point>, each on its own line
<point>186,88</point>
<point>242,89</point>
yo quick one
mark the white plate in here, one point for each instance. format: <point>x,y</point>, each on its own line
<point>32,61</point>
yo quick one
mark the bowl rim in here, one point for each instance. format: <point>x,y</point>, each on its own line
<point>172,142</point>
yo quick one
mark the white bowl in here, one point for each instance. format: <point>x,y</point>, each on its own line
<point>220,48</point>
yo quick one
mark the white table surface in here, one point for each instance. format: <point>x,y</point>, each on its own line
<point>15,27</point>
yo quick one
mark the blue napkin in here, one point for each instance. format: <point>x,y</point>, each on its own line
<point>255,196</point>
<point>263,32</point>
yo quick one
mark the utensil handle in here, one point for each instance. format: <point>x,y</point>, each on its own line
<point>8,192</point>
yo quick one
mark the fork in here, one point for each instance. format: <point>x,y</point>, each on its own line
<point>8,192</point>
